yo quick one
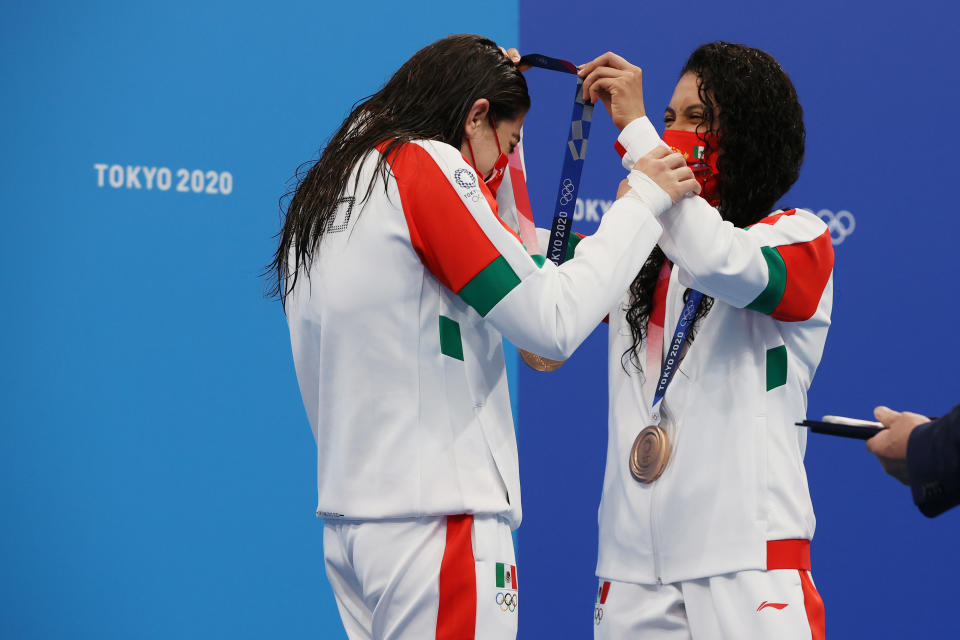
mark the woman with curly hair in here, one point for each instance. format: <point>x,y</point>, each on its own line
<point>706,518</point>
<point>399,281</point>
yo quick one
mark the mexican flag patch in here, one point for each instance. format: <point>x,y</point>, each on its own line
<point>506,576</point>
<point>698,152</point>
<point>602,592</point>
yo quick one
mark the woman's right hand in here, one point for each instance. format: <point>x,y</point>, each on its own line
<point>514,56</point>
<point>670,171</point>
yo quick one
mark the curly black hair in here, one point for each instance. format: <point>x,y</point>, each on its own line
<point>752,107</point>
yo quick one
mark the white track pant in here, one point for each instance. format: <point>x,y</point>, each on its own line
<point>444,577</point>
<point>776,604</point>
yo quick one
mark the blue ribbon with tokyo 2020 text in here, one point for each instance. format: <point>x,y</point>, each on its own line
<point>560,231</point>
<point>573,156</point>
<point>672,359</point>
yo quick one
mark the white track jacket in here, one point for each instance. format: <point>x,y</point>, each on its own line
<point>735,478</point>
<point>396,333</point>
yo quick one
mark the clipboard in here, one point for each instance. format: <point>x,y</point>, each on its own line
<point>844,427</point>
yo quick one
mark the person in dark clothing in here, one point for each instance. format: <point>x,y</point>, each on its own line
<point>922,453</point>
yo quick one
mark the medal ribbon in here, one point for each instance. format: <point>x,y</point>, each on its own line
<point>672,360</point>
<point>517,179</point>
<point>560,231</point>
<point>655,330</point>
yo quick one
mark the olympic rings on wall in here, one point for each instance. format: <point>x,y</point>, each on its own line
<point>841,224</point>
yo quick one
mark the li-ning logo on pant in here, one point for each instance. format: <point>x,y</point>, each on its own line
<point>841,224</point>
<point>779,606</point>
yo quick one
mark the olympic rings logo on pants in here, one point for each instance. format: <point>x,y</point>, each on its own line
<point>597,615</point>
<point>508,601</point>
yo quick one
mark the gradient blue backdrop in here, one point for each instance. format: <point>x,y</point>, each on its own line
<point>879,90</point>
<point>157,473</point>
<point>156,469</point>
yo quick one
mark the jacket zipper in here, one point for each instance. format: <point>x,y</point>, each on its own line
<point>653,536</point>
<point>657,417</point>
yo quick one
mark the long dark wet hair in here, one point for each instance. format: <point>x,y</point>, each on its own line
<point>751,105</point>
<point>428,98</point>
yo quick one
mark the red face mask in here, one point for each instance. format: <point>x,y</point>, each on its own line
<point>499,167</point>
<point>700,152</point>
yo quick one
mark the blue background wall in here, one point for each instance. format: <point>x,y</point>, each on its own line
<point>156,469</point>
<point>157,472</point>
<point>879,91</point>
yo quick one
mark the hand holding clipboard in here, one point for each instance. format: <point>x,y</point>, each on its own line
<point>844,427</point>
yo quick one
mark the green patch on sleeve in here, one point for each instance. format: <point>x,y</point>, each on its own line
<point>771,296</point>
<point>450,341</point>
<point>776,367</point>
<point>488,287</point>
<point>572,245</point>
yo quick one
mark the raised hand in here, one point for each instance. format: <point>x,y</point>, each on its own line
<point>618,84</point>
<point>514,56</point>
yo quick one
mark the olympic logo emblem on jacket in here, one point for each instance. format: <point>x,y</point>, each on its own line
<point>840,224</point>
<point>467,181</point>
<point>465,178</point>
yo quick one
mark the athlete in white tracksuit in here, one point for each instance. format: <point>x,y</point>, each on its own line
<point>396,328</point>
<point>718,545</point>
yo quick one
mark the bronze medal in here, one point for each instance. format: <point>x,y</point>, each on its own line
<point>649,454</point>
<point>539,363</point>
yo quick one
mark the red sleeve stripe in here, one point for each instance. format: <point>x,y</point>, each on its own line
<point>772,220</point>
<point>797,276</point>
<point>620,149</point>
<point>443,232</point>
<point>809,265</point>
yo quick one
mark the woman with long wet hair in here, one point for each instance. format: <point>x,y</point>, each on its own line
<point>399,281</point>
<point>706,518</point>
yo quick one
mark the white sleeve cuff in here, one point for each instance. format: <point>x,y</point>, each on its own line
<point>638,138</point>
<point>644,188</point>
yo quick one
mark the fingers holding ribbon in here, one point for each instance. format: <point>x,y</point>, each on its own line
<point>608,59</point>
<point>618,84</point>
<point>514,56</point>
